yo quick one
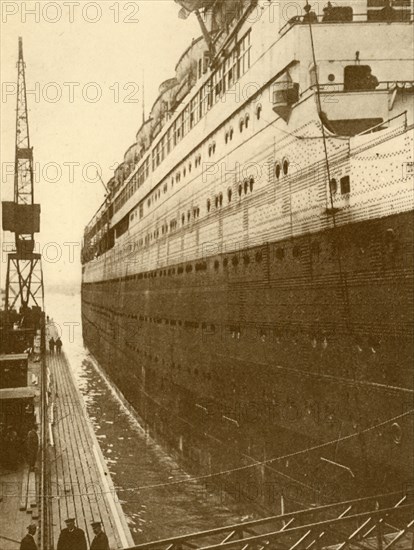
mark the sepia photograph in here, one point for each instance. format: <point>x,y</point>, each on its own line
<point>207,275</point>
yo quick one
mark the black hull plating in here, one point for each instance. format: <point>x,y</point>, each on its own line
<point>280,355</point>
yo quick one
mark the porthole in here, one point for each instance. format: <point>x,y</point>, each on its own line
<point>277,170</point>
<point>280,253</point>
<point>285,167</point>
<point>396,433</point>
<point>331,77</point>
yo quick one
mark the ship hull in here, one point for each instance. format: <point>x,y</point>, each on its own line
<point>287,365</point>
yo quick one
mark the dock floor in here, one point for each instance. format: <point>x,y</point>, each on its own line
<point>80,484</point>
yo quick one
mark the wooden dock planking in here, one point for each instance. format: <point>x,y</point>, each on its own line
<point>24,489</point>
<point>77,464</point>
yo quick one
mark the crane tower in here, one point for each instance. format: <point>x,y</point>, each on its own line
<point>24,280</point>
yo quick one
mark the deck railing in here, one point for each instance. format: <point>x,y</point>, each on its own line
<point>382,522</point>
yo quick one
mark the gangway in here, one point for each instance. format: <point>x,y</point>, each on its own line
<point>380,522</point>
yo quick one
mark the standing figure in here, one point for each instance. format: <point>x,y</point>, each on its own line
<point>51,345</point>
<point>58,345</point>
<point>32,447</point>
<point>71,538</point>
<point>28,542</point>
<point>100,540</point>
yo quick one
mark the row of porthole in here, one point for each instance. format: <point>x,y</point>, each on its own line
<point>244,123</point>
<point>248,185</point>
<point>281,167</point>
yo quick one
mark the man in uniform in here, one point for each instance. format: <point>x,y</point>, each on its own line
<point>71,538</point>
<point>100,541</point>
<point>28,542</point>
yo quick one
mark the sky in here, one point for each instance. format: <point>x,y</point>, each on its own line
<point>85,63</point>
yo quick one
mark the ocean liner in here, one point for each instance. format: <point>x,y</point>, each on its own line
<point>248,282</point>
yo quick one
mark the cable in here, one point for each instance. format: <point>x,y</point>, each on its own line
<point>261,463</point>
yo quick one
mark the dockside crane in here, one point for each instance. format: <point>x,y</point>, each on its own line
<point>24,280</point>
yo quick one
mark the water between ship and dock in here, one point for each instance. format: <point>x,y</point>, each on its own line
<point>158,498</point>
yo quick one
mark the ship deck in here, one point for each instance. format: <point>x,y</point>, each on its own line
<point>80,484</point>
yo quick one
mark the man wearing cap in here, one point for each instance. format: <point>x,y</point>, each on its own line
<point>100,540</point>
<point>71,538</point>
<point>28,542</point>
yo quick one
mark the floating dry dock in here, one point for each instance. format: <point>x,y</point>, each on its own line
<point>80,484</point>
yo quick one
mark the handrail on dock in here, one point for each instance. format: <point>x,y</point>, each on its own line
<point>385,519</point>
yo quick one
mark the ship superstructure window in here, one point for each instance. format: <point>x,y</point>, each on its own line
<point>246,120</point>
<point>241,125</point>
<point>333,186</point>
<point>183,219</point>
<point>208,205</point>
<point>258,112</point>
<point>251,184</point>
<point>345,185</point>
<point>229,194</point>
<point>285,167</point>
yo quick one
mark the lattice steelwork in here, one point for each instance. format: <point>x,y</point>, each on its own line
<point>24,284</point>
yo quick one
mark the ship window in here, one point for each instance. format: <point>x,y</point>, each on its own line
<point>216,201</point>
<point>209,150</point>
<point>241,125</point>
<point>258,112</point>
<point>183,219</point>
<point>246,120</point>
<point>184,172</point>
<point>213,147</point>
<point>240,189</point>
<point>333,186</point>
<point>296,251</point>
<point>221,199</point>
<point>229,194</point>
<point>258,256</point>
<point>251,184</point>
<point>277,170</point>
<point>225,262</point>
<point>280,253</point>
<point>189,166</point>
<point>231,134</point>
<point>188,215</point>
<point>235,260</point>
<point>246,186</point>
<point>285,167</point>
<point>345,185</point>
<point>216,264</point>
<point>246,259</point>
<point>208,205</point>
